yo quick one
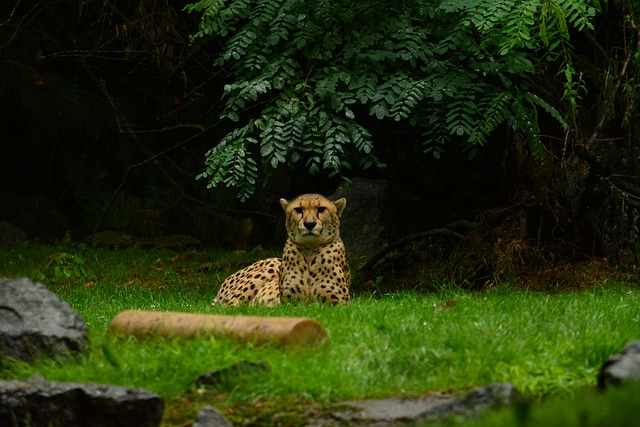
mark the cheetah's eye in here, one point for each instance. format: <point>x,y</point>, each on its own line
<point>298,209</point>
<point>321,209</point>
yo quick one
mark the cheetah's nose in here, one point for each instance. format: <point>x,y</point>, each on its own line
<point>309,225</point>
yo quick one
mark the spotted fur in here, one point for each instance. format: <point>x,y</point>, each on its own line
<point>313,265</point>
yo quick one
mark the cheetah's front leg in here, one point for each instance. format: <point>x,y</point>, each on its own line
<point>269,294</point>
<point>330,293</point>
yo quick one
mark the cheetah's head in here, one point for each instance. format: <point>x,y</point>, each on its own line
<point>312,219</point>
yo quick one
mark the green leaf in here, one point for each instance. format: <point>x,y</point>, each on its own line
<point>298,74</point>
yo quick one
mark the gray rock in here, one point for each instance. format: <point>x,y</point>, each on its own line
<point>211,417</point>
<point>34,321</point>
<point>476,401</point>
<point>36,403</point>
<point>388,411</point>
<point>371,218</point>
<point>10,235</point>
<point>424,409</point>
<point>621,368</point>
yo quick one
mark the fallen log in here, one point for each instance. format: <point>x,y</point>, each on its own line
<point>278,330</point>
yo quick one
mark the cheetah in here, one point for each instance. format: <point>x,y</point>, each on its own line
<point>313,266</point>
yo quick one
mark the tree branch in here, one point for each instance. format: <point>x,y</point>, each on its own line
<point>412,238</point>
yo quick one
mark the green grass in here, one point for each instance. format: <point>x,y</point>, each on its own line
<point>396,345</point>
<point>587,408</point>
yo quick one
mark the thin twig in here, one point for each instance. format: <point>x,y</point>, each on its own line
<point>616,88</point>
<point>13,12</point>
<point>168,150</point>
<point>20,22</point>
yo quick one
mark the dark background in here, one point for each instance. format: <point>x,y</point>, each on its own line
<point>107,109</point>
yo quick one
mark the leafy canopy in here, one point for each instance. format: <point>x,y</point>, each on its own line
<point>308,78</point>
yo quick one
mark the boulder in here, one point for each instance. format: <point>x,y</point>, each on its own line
<point>211,417</point>
<point>378,212</point>
<point>34,321</point>
<point>10,235</point>
<point>621,368</point>
<point>36,403</point>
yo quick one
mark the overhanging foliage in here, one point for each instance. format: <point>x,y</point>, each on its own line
<point>308,78</point>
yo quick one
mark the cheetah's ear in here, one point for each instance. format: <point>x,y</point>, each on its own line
<point>340,205</point>
<point>284,203</point>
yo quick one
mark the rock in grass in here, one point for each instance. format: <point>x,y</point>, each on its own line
<point>211,417</point>
<point>233,372</point>
<point>420,410</point>
<point>621,368</point>
<point>34,321</point>
<point>478,400</point>
<point>37,403</point>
